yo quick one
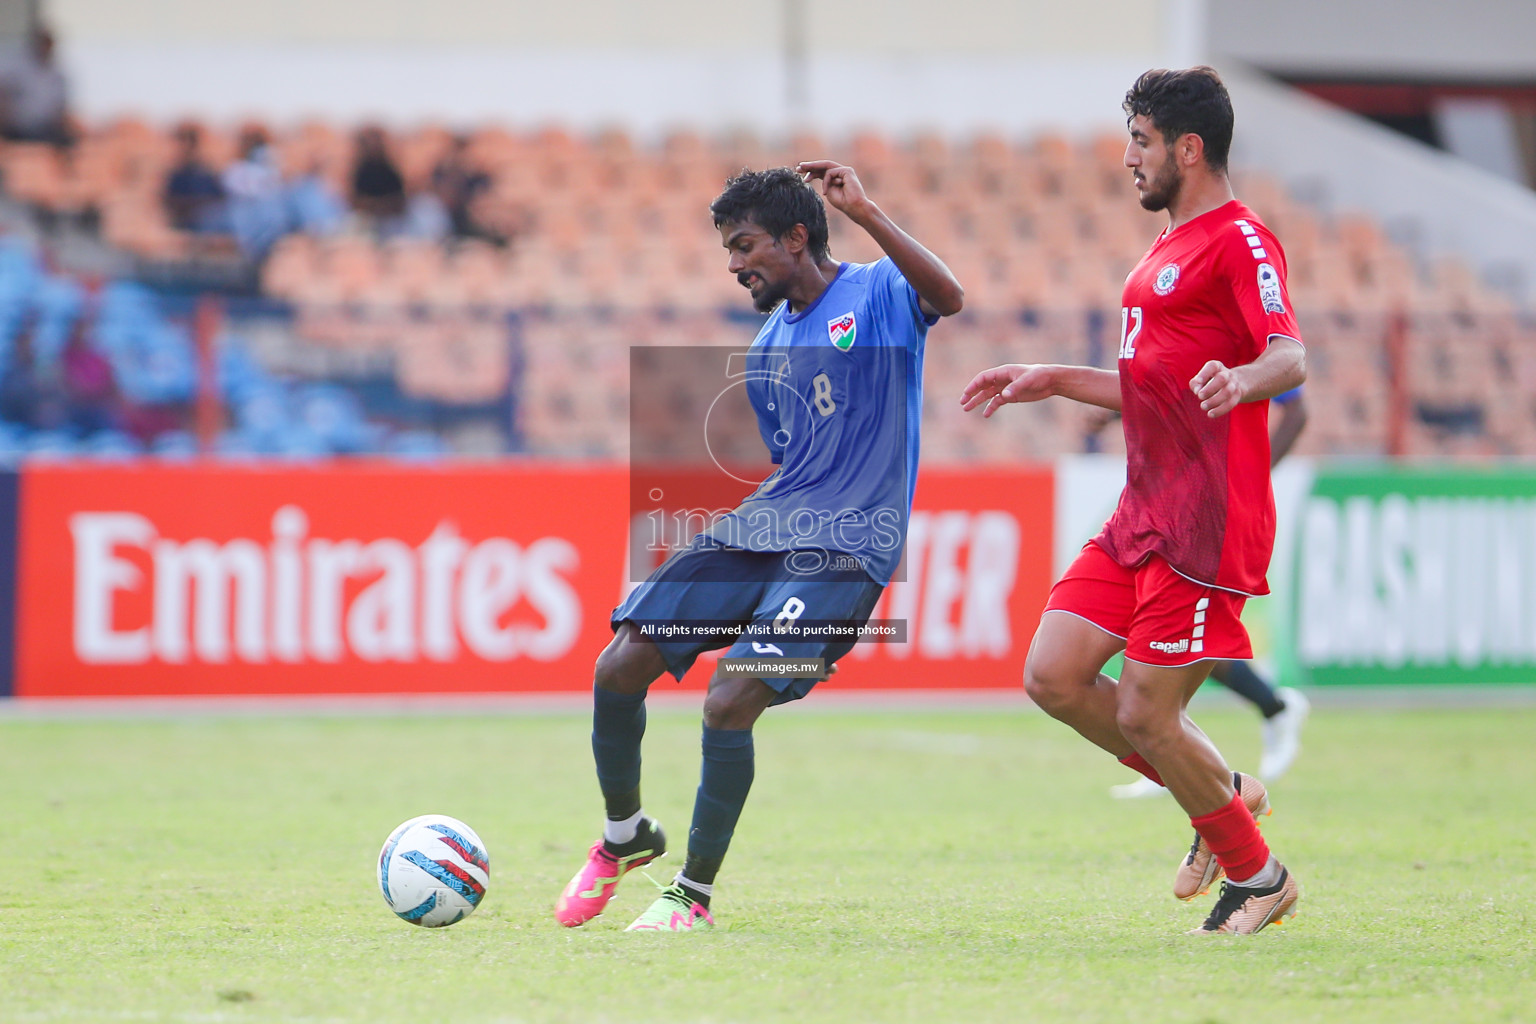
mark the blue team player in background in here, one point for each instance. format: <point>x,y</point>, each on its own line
<point>835,378</point>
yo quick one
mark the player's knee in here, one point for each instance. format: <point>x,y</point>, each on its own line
<point>1048,684</point>
<point>1145,724</point>
<point>731,706</point>
<point>728,713</point>
<point>627,665</point>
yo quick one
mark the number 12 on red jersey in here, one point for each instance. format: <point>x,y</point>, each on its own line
<point>1130,326</point>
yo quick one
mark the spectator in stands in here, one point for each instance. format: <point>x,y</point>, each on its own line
<point>458,183</point>
<point>258,210</point>
<point>378,189</point>
<point>34,95</point>
<point>313,205</point>
<point>425,217</point>
<point>194,196</point>
<point>89,386</point>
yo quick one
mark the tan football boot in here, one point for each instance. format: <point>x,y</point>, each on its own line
<point>1198,871</point>
<point>1242,911</point>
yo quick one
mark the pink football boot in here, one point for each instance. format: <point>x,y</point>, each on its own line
<point>589,892</point>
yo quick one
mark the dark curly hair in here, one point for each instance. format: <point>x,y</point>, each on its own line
<point>776,200</point>
<point>1190,101</point>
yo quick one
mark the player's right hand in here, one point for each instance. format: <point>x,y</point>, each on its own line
<point>1001,385</point>
<point>839,183</point>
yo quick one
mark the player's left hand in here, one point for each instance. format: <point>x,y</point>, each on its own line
<point>839,184</point>
<point>1219,388</point>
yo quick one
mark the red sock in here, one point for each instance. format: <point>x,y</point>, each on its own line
<point>1138,763</point>
<point>1234,838</point>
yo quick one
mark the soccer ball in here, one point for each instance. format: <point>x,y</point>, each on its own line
<point>433,871</point>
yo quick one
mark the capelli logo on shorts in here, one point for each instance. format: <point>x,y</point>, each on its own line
<point>1175,647</point>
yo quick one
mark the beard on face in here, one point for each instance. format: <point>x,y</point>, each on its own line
<point>1162,190</point>
<point>770,296</point>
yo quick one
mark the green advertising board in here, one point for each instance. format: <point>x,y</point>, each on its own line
<point>1414,575</point>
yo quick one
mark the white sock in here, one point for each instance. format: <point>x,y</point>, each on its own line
<point>707,890</point>
<point>1267,878</point>
<point>620,832</point>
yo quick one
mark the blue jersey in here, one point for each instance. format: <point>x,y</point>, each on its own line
<point>1287,397</point>
<point>838,391</point>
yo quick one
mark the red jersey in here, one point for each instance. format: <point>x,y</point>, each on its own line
<point>1197,489</point>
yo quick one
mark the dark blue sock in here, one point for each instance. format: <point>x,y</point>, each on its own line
<point>618,725</point>
<point>1242,680</point>
<point>724,781</point>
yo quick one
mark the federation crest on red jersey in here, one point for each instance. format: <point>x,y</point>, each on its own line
<point>1269,289</point>
<point>1167,279</point>
<point>841,330</point>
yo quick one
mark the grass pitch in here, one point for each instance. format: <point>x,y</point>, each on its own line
<point>920,867</point>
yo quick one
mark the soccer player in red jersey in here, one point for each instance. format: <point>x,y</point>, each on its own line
<point>1207,337</point>
<point>1284,709</point>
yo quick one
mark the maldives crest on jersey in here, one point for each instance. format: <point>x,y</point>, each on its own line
<point>1166,279</point>
<point>841,330</point>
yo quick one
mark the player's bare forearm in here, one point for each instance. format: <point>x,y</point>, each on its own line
<point>1089,385</point>
<point>925,272</point>
<point>1280,368</point>
<point>1282,438</point>
<point>1220,388</point>
<point>1021,382</point>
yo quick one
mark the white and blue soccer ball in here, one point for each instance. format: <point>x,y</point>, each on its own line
<point>433,871</point>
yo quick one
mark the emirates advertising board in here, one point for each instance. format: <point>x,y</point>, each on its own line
<point>386,579</point>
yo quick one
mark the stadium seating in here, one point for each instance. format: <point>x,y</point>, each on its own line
<point>153,366</point>
<point>611,246</point>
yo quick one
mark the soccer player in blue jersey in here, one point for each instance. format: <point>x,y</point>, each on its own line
<point>835,378</point>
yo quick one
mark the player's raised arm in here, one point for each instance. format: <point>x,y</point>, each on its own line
<point>1018,382</point>
<point>937,289</point>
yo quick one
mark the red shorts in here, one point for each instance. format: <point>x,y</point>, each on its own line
<point>1164,618</point>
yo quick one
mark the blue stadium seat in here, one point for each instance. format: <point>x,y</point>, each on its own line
<point>417,446</point>
<point>262,414</point>
<point>335,416</point>
<point>51,444</point>
<point>174,445</point>
<point>300,444</point>
<point>13,442</point>
<point>238,373</point>
<point>236,446</point>
<point>158,368</point>
<point>56,304</point>
<point>112,445</point>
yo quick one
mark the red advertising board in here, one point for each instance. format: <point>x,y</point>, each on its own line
<point>380,578</point>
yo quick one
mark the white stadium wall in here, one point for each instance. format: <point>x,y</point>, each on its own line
<point>1018,67</point>
<point>1438,204</point>
<point>1010,27</point>
<point>1485,39</point>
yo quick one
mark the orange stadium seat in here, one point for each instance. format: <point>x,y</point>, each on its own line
<point>34,173</point>
<point>293,261</point>
<point>604,227</point>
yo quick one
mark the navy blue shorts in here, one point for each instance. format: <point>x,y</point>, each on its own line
<point>709,583</point>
